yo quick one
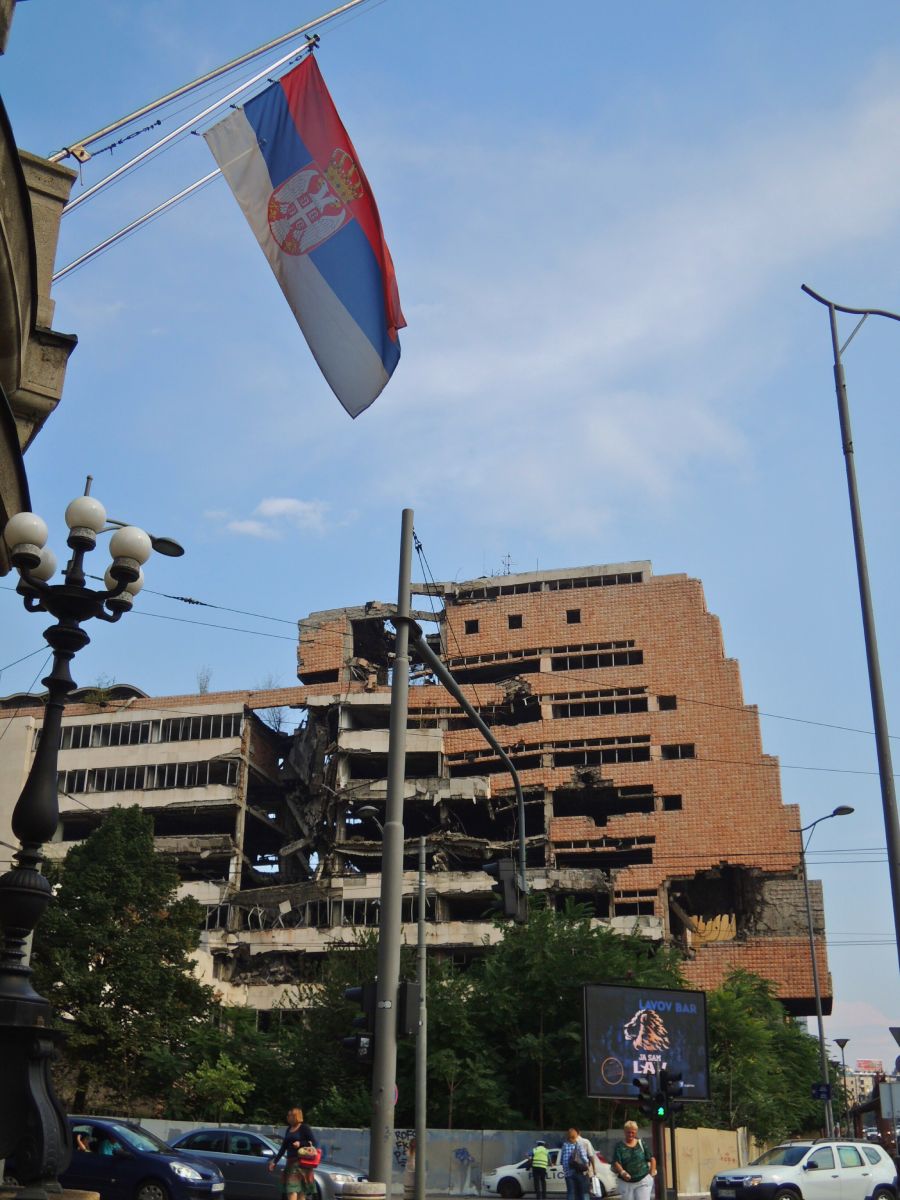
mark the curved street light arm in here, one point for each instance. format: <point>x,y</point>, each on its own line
<point>853,312</point>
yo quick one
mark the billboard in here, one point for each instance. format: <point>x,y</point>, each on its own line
<point>632,1031</point>
<point>870,1066</point>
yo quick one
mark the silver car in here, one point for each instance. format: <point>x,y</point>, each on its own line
<point>243,1157</point>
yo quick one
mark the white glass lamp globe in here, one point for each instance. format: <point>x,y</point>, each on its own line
<point>132,587</point>
<point>131,542</point>
<point>25,535</point>
<point>86,513</point>
<point>46,567</point>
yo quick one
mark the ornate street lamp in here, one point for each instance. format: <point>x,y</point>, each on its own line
<point>33,1126</point>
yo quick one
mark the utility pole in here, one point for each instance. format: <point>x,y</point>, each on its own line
<point>422,1039</point>
<point>384,1072</point>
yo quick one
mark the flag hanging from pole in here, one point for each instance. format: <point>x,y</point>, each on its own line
<point>296,176</point>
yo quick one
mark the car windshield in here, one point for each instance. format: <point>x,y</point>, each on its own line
<point>781,1156</point>
<point>141,1139</point>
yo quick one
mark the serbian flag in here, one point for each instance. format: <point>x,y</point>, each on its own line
<point>296,176</point>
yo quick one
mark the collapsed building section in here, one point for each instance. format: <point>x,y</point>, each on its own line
<point>648,797</point>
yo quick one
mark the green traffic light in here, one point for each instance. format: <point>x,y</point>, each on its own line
<point>660,1110</point>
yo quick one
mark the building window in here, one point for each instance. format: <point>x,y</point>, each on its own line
<point>667,703</point>
<point>671,803</point>
<point>514,620</point>
<point>472,625</point>
<point>573,616</point>
<point>679,750</point>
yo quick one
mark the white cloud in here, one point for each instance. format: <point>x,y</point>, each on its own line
<point>251,528</point>
<point>304,514</point>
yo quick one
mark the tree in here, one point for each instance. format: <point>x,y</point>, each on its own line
<point>219,1090</point>
<point>762,1064</point>
<point>112,954</point>
<point>527,1001</point>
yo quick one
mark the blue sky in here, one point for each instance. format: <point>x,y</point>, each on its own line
<point>600,218</point>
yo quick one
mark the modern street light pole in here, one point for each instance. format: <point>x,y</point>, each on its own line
<point>33,1124</point>
<point>384,1069</point>
<point>843,810</point>
<point>882,737</point>
<point>842,1042</point>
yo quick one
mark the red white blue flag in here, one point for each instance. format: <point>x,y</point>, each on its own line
<point>294,172</point>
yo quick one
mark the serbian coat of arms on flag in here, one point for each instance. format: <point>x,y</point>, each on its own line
<point>296,176</point>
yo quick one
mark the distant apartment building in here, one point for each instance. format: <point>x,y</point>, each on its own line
<point>648,796</point>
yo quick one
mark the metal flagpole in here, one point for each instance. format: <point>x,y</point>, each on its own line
<point>78,149</point>
<point>136,224</point>
<point>185,125</point>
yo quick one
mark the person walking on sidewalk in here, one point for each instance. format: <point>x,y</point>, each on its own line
<point>301,1154</point>
<point>540,1160</point>
<point>573,1158</point>
<point>635,1167</point>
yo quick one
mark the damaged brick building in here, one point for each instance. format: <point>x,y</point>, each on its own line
<point>648,796</point>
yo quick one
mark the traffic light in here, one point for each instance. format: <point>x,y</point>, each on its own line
<point>646,1099</point>
<point>407,1009</point>
<point>512,900</point>
<point>672,1085</point>
<point>362,1045</point>
<point>660,1110</point>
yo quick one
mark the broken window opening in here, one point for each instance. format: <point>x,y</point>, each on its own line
<point>600,803</point>
<point>584,662</point>
<point>471,626</point>
<point>514,620</point>
<point>671,803</point>
<point>679,750</point>
<point>596,902</point>
<point>667,703</point>
<point>717,905</point>
<point>601,708</point>
<point>592,856</point>
<point>573,616</point>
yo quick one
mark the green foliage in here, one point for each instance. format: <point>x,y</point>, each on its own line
<point>112,953</point>
<point>504,1036</point>
<point>762,1064</point>
<point>218,1090</point>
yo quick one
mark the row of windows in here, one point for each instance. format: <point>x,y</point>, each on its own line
<point>552,585</point>
<point>515,620</point>
<point>142,733</point>
<point>148,778</point>
<point>585,662</point>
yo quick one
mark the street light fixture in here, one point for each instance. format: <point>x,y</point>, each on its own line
<point>842,1042</point>
<point>842,810</point>
<point>33,1123</point>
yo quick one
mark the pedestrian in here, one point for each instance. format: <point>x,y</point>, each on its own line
<point>540,1160</point>
<point>301,1155</point>
<point>573,1158</point>
<point>634,1165</point>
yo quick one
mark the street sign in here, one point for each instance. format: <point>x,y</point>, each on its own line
<point>821,1091</point>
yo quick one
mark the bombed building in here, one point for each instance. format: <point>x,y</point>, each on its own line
<point>648,796</point>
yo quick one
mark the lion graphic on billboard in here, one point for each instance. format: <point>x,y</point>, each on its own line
<point>647,1031</point>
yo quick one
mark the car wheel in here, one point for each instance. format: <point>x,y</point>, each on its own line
<point>883,1193</point>
<point>786,1194</point>
<point>509,1188</point>
<point>10,1180</point>
<point>152,1189</point>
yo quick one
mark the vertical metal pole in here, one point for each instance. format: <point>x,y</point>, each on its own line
<point>421,1039</point>
<point>659,1153</point>
<point>384,1071</point>
<point>882,738</point>
<point>823,1057</point>
<point>673,1189</point>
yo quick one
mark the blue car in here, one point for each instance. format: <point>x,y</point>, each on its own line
<point>125,1162</point>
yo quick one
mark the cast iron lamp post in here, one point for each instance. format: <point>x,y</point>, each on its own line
<point>842,810</point>
<point>33,1125</point>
